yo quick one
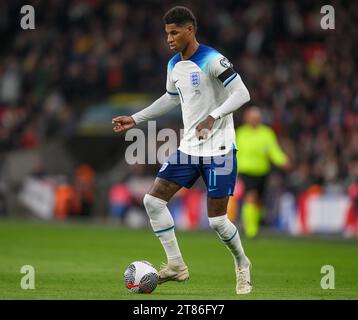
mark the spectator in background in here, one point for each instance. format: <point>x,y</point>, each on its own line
<point>120,200</point>
<point>67,202</point>
<point>84,185</point>
<point>130,191</point>
<point>351,223</point>
<point>257,148</point>
<point>10,82</point>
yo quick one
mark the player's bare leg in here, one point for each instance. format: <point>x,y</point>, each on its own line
<point>162,223</point>
<point>164,189</point>
<point>228,233</point>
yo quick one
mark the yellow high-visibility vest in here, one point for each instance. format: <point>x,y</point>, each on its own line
<point>257,148</point>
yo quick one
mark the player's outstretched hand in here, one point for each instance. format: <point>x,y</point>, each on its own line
<point>204,127</point>
<point>123,123</point>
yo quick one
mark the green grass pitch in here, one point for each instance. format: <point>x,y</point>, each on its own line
<point>86,261</point>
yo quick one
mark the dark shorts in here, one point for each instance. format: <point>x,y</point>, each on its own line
<point>218,172</point>
<point>254,183</point>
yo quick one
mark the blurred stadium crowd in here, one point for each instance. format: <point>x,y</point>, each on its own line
<point>302,77</point>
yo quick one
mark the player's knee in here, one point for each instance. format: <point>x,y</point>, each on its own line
<point>216,223</point>
<point>153,204</point>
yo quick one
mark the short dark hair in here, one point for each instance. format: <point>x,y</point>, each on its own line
<point>180,16</point>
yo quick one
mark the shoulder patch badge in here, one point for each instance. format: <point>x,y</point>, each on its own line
<point>226,63</point>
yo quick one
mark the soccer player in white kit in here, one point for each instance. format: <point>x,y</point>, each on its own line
<point>204,83</point>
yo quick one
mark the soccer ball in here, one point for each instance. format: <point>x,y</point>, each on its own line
<point>141,277</point>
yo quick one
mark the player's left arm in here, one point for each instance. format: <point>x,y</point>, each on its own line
<point>239,95</point>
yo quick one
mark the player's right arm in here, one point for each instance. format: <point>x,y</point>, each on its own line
<point>162,105</point>
<point>165,103</point>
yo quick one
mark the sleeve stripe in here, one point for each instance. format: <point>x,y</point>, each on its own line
<point>227,81</point>
<point>226,74</point>
<point>173,93</point>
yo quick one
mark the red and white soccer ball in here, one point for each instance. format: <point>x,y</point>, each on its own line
<point>141,277</point>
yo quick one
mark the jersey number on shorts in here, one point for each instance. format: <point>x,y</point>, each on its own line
<point>212,178</point>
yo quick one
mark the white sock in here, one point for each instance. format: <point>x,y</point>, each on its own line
<point>229,234</point>
<point>163,225</point>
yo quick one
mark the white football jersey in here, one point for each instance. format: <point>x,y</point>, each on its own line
<point>200,82</point>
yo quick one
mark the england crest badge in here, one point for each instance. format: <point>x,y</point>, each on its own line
<point>194,79</point>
